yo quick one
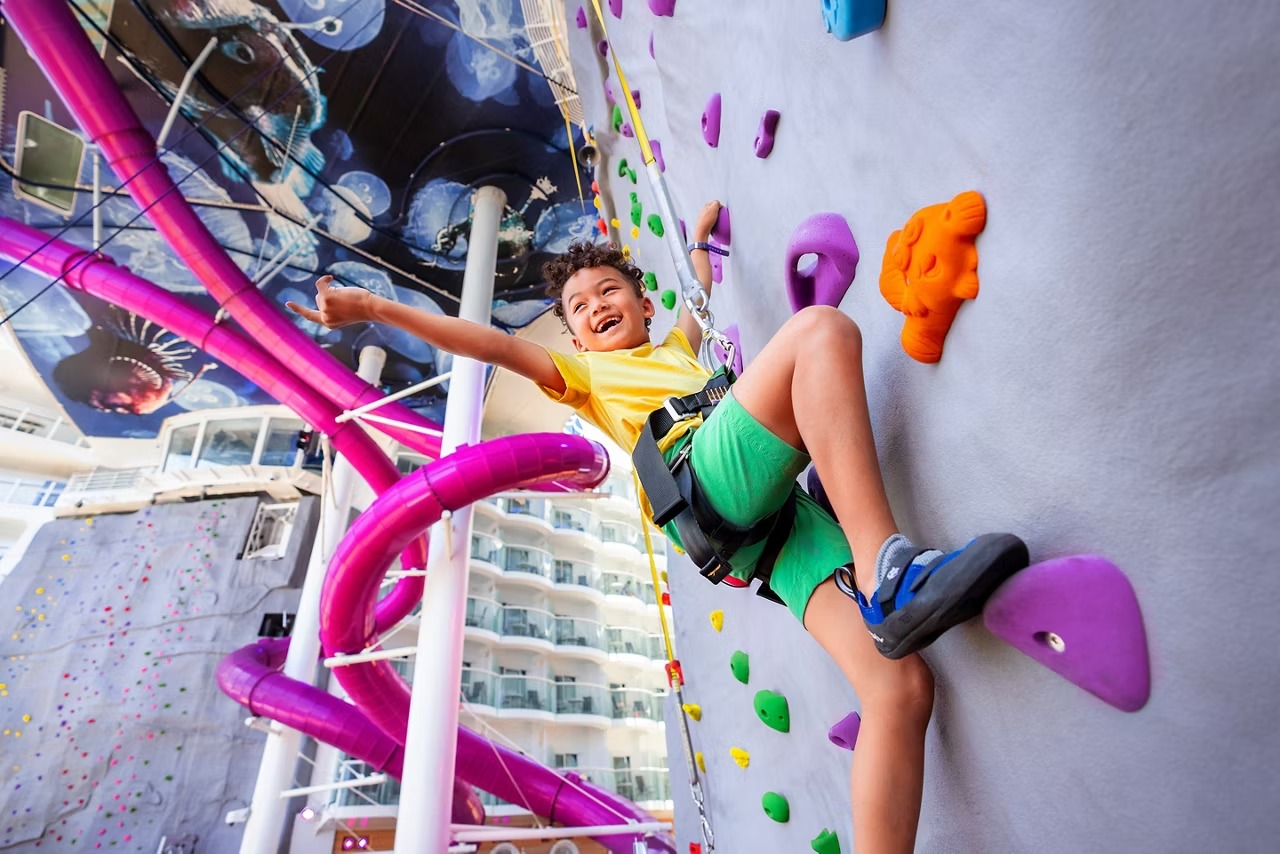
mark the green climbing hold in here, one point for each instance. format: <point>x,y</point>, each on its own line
<point>669,298</point>
<point>637,210</point>
<point>655,225</point>
<point>617,117</point>
<point>771,708</point>
<point>740,664</point>
<point>631,173</point>
<point>826,842</point>
<point>650,281</point>
<point>622,168</point>
<point>776,807</point>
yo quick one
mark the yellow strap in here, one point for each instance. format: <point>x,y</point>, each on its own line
<point>653,570</point>
<point>641,136</point>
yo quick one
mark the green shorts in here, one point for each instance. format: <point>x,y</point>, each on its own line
<point>746,473</point>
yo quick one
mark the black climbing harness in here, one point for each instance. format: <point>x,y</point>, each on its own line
<point>675,494</point>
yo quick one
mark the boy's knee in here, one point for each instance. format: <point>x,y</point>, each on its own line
<point>905,690</point>
<point>820,321</point>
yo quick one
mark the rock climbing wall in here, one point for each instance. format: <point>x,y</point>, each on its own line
<point>1111,390</point>
<point>114,733</point>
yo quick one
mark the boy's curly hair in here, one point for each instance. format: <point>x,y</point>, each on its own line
<point>580,256</point>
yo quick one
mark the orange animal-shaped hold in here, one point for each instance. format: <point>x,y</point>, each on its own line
<point>930,268</point>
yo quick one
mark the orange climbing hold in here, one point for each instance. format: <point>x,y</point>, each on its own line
<point>930,268</point>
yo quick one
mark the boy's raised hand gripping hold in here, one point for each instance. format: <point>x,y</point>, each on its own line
<point>701,233</point>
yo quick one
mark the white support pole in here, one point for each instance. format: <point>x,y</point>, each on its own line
<point>192,71</point>
<point>267,820</point>
<point>97,198</point>
<point>426,792</point>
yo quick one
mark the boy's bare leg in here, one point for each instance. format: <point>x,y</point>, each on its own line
<point>806,387</point>
<point>887,779</point>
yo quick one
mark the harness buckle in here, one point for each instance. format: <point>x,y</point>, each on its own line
<point>677,416</point>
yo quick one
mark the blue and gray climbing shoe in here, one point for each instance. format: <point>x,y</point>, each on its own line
<point>918,601</point>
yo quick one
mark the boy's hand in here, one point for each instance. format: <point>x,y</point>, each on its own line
<point>706,221</point>
<point>338,306</point>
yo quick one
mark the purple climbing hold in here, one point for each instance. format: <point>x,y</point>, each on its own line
<point>581,20</point>
<point>731,332</point>
<point>764,136</point>
<point>711,121</point>
<point>845,733</point>
<point>717,267</point>
<point>848,19</point>
<point>663,8</point>
<point>818,492</point>
<point>657,155</point>
<point>684,232</point>
<point>627,131</point>
<point>651,56</point>
<point>602,47</point>
<point>824,282</point>
<point>615,6</point>
<point>635,96</point>
<point>608,93</point>
<point>1078,616</point>
<point>720,232</point>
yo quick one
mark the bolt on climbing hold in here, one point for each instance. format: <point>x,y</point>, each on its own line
<point>663,8</point>
<point>772,709</point>
<point>717,619</point>
<point>702,764</point>
<point>826,842</point>
<point>669,299</point>
<point>711,121</point>
<point>655,225</point>
<point>693,710</point>
<point>827,236</point>
<point>930,268</point>
<point>740,664</point>
<point>656,147</point>
<point>776,807</point>
<point>764,136</point>
<point>742,757</point>
<point>581,18</point>
<point>722,231</point>
<point>845,732</point>
<point>651,283</point>
<point>615,6</point>
<point>602,47</point>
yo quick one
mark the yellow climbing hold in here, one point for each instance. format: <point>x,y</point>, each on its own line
<point>26,719</point>
<point>679,550</point>
<point>66,557</point>
<point>693,710</point>
<point>596,202</point>
<point>615,222</point>
<point>664,576</point>
<point>740,756</point>
<point>635,232</point>
<point>702,766</point>
<point>717,620</point>
<point>39,591</point>
<point>626,251</point>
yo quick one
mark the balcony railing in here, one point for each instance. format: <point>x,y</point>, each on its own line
<point>621,532</point>
<point>527,622</point>
<point>579,574</point>
<point>534,508</point>
<point>581,698</point>
<point>573,519</point>
<point>56,428</point>
<point>483,614</point>
<point>636,703</point>
<point>486,548</point>
<point>387,792</point>
<point>30,493</point>
<point>575,631</point>
<point>526,559</point>
<point>638,783</point>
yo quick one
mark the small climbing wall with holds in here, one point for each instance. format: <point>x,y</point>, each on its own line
<point>113,733</point>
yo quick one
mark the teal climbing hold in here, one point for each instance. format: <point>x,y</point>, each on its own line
<point>669,298</point>
<point>776,807</point>
<point>650,281</point>
<point>740,664</point>
<point>771,708</point>
<point>826,842</point>
<point>655,225</point>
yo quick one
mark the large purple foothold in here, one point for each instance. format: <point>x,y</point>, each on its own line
<point>635,96</point>
<point>731,332</point>
<point>825,282</point>
<point>845,733</point>
<point>627,131</point>
<point>764,136</point>
<point>615,6</point>
<point>657,155</point>
<point>663,8</point>
<point>608,93</point>
<point>711,121</point>
<point>721,231</point>
<point>602,47</point>
<point>717,267</point>
<point>1078,616</point>
<point>581,20</point>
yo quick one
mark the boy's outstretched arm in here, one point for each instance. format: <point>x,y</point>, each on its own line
<point>701,233</point>
<point>336,307</point>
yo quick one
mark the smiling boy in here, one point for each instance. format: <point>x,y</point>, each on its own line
<point>802,399</point>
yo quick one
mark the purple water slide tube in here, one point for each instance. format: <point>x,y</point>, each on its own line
<point>60,46</point>
<point>350,588</point>
<point>96,274</point>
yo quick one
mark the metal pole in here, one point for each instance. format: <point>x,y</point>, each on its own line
<point>267,822</point>
<point>97,198</point>
<point>426,793</point>
<point>181,95</point>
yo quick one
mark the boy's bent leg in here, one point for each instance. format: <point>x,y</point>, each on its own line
<point>887,779</point>
<point>806,387</point>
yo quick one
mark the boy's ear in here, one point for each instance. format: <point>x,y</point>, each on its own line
<point>577,345</point>
<point>649,310</point>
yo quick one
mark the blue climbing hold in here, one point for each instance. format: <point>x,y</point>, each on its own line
<point>848,19</point>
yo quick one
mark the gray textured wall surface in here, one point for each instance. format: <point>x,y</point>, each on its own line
<point>114,732</point>
<point>1112,389</point>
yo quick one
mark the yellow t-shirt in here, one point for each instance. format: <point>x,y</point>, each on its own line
<point>616,390</point>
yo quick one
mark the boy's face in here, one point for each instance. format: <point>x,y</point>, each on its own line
<point>603,310</point>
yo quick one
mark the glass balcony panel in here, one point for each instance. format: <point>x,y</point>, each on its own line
<point>636,703</point>
<point>620,583</point>
<point>525,692</point>
<point>535,508</point>
<point>483,614</point>
<point>486,548</point>
<point>580,698</point>
<point>479,687</point>
<point>280,448</point>
<point>578,573</point>
<point>387,792</point>
<point>229,442</point>
<point>574,631</point>
<point>528,560</point>
<point>572,519</point>
<point>527,623</point>
<point>627,640</point>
